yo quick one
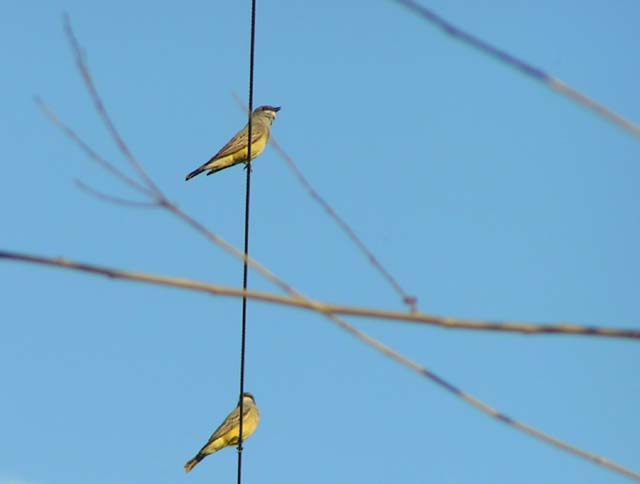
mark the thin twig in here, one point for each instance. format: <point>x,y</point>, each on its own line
<point>105,197</point>
<point>384,349</point>
<point>527,69</point>
<point>407,299</point>
<point>93,155</point>
<point>101,109</point>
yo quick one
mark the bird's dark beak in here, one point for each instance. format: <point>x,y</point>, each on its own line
<point>276,108</point>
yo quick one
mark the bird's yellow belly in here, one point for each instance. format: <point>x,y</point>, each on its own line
<point>241,156</point>
<point>257,148</point>
<point>249,426</point>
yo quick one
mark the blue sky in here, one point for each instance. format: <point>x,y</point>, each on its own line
<point>484,193</point>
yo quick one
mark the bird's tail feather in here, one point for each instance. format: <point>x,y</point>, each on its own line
<point>195,172</point>
<point>188,467</point>
<point>211,168</point>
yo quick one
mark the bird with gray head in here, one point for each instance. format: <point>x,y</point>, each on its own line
<point>236,150</point>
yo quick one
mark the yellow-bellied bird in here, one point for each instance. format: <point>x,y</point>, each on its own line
<point>229,431</point>
<point>235,151</point>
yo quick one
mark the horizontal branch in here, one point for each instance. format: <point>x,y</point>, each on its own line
<point>327,308</point>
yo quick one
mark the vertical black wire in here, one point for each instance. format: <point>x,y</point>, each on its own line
<point>245,272</point>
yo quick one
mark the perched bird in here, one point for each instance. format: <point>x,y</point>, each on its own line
<point>235,151</point>
<point>229,431</point>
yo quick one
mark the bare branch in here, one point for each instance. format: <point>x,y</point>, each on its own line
<point>407,299</point>
<point>102,111</point>
<point>92,154</point>
<point>527,69</point>
<point>326,309</point>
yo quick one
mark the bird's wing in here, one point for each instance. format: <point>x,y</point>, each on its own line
<point>239,141</point>
<point>233,420</point>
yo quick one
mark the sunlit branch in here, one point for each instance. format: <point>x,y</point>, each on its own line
<point>525,68</point>
<point>325,307</point>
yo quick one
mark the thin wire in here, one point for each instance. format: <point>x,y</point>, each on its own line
<point>245,271</point>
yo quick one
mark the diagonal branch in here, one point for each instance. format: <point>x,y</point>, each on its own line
<point>102,111</point>
<point>527,69</point>
<point>90,152</point>
<point>105,197</point>
<point>409,300</point>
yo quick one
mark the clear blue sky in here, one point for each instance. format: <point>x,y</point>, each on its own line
<point>486,195</point>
